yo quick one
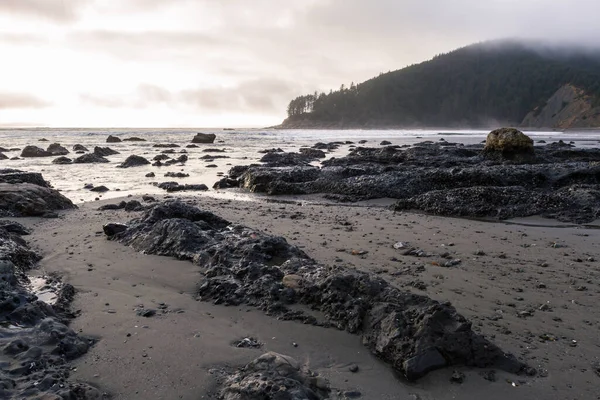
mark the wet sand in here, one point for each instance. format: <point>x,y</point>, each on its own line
<point>531,289</point>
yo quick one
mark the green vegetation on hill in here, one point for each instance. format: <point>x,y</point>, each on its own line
<point>481,84</point>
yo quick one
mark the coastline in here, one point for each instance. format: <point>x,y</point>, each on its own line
<point>171,355</point>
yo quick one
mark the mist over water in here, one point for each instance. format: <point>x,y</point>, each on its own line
<point>241,146</point>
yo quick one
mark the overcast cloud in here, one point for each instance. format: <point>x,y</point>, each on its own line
<point>236,62</point>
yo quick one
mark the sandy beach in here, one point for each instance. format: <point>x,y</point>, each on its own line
<point>530,289</point>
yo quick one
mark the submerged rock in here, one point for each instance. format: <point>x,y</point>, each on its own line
<point>245,266</point>
<point>134,139</point>
<point>133,161</point>
<point>62,160</point>
<point>90,158</point>
<point>204,138</point>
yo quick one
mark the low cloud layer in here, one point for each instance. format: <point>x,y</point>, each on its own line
<point>21,100</point>
<point>233,58</point>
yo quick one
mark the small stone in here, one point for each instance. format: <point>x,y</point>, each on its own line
<point>457,377</point>
<point>353,368</point>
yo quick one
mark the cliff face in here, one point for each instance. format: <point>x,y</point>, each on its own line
<point>570,107</point>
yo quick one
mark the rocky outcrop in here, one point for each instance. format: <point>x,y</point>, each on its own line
<point>104,151</point>
<point>204,138</point>
<point>413,333</point>
<point>57,150</point>
<point>570,107</point>
<point>133,161</point>
<point>555,180</point>
<point>37,345</point>
<point>312,153</point>
<point>3,156</point>
<point>134,139</point>
<point>113,139</point>
<point>34,151</point>
<point>90,158</point>
<point>79,147</point>
<point>166,145</point>
<point>27,194</point>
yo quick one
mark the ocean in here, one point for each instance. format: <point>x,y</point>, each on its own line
<point>240,145</point>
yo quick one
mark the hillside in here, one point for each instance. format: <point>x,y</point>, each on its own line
<point>486,84</point>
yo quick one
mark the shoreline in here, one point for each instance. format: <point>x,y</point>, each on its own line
<point>117,283</point>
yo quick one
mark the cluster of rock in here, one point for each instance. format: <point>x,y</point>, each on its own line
<point>413,333</point>
<point>28,194</point>
<point>36,344</point>
<point>507,177</point>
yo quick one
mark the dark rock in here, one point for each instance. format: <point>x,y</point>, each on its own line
<point>204,138</point>
<point>113,228</point>
<point>327,146</point>
<point>212,150</point>
<point>385,143</point>
<point>100,189</point>
<point>226,183</point>
<point>457,377</point>
<point>191,146</point>
<point>62,160</point>
<point>14,227</point>
<point>166,145</point>
<point>104,151</point>
<point>21,196</point>
<point>413,333</point>
<point>3,156</point>
<point>119,206</point>
<point>212,166</point>
<point>113,139</point>
<point>42,140</point>
<point>34,151</point>
<point>134,139</point>
<point>176,187</point>
<point>79,147</point>
<point>150,175</point>
<point>133,161</point>
<point>286,159</point>
<point>148,199</point>
<point>181,160</point>
<point>274,376</point>
<point>277,150</point>
<point>312,153</point>
<point>57,150</point>
<point>161,157</point>
<point>145,312</point>
<point>90,158</point>
<point>176,175</point>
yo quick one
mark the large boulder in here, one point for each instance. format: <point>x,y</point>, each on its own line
<point>34,151</point>
<point>204,138</point>
<point>113,139</point>
<point>90,158</point>
<point>508,140</point>
<point>57,150</point>
<point>133,161</point>
<point>104,151</point>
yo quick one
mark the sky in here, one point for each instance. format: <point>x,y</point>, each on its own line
<point>235,63</point>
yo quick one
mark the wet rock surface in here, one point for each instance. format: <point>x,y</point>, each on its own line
<point>90,158</point>
<point>413,333</point>
<point>113,139</point>
<point>28,194</point>
<point>104,151</point>
<point>36,344</point>
<point>57,150</point>
<point>506,179</point>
